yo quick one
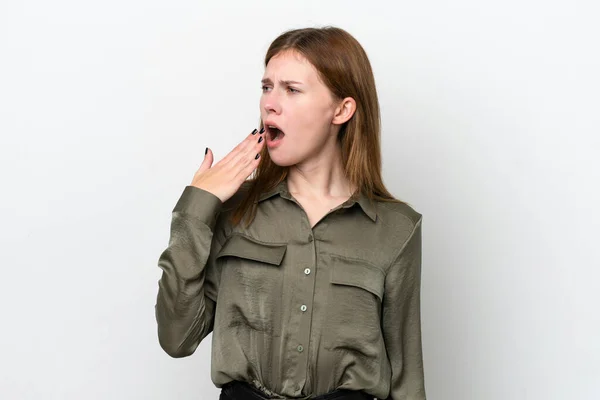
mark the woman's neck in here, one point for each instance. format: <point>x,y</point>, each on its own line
<point>319,179</point>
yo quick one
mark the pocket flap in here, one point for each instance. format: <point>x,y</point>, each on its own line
<point>358,273</point>
<point>245,247</point>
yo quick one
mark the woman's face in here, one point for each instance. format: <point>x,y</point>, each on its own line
<point>295,100</point>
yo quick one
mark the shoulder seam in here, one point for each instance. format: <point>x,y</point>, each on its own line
<point>385,204</point>
<point>412,233</point>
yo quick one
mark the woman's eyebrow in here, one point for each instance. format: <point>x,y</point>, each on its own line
<point>282,82</point>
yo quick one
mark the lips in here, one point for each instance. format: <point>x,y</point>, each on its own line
<point>273,130</point>
<point>272,123</point>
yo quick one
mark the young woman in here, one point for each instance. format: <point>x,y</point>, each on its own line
<point>308,274</point>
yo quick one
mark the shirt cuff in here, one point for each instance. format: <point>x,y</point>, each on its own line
<point>200,203</point>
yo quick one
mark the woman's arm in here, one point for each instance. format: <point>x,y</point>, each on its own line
<point>187,292</point>
<point>401,320</point>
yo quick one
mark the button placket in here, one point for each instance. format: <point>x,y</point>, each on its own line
<point>305,296</point>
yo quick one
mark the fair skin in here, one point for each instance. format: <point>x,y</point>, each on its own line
<point>310,118</point>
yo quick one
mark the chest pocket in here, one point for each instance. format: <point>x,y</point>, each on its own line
<point>242,246</point>
<point>354,305</point>
<point>250,290</point>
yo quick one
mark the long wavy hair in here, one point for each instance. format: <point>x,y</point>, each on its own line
<point>343,66</point>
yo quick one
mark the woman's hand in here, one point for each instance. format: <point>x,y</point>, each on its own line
<point>226,176</point>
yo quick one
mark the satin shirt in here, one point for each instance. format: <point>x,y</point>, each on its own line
<point>296,311</point>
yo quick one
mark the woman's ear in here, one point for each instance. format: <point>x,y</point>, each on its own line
<point>344,111</point>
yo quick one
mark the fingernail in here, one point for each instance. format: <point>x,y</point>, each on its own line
<point>262,130</point>
<point>206,151</point>
<point>254,131</point>
<point>257,155</point>
<point>260,139</point>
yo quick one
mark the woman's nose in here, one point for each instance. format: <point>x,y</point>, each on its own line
<point>271,103</point>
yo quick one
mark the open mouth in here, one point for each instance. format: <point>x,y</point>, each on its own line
<point>274,133</point>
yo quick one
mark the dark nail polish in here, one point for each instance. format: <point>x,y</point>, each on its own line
<point>206,151</point>
<point>257,155</point>
<point>254,131</point>
<point>262,130</point>
<point>260,139</point>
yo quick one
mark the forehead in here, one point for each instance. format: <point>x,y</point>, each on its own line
<point>291,65</point>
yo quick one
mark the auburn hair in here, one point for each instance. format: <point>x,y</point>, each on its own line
<point>343,66</point>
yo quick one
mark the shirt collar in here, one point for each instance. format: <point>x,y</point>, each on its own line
<point>368,206</point>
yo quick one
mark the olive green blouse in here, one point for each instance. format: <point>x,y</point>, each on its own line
<point>295,311</point>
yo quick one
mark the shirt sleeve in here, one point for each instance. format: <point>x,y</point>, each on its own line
<point>401,321</point>
<point>187,289</point>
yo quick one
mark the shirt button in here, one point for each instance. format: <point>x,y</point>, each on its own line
<point>307,271</point>
<point>310,238</point>
<point>300,349</point>
<point>303,307</point>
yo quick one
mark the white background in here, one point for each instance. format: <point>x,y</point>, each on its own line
<point>490,115</point>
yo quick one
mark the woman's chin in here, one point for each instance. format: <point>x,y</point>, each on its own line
<point>280,159</point>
